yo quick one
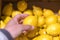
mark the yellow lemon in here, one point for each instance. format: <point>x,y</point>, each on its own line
<point>51,19</point>
<point>56,38</point>
<point>7,10</point>
<point>41,21</point>
<point>59,12</point>
<point>33,33</point>
<point>48,12</point>
<point>37,11</point>
<point>29,12</point>
<point>43,37</point>
<point>2,24</point>
<point>30,20</point>
<point>45,26</point>
<point>21,5</point>
<point>7,19</point>
<point>59,36</point>
<point>42,31</point>
<point>17,38</point>
<point>59,19</point>
<point>14,13</point>
<point>53,29</point>
<point>36,38</point>
<point>3,17</point>
<point>23,38</point>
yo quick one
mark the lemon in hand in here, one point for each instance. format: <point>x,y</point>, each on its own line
<point>53,29</point>
<point>30,20</point>
<point>37,11</point>
<point>29,12</point>
<point>14,13</point>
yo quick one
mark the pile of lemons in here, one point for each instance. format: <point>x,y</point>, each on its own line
<point>46,23</point>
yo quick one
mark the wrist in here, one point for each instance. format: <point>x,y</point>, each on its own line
<point>12,35</point>
<point>7,34</point>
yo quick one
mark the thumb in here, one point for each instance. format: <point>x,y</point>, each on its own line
<point>19,17</point>
<point>27,27</point>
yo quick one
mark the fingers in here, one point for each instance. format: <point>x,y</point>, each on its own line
<point>19,17</point>
<point>22,16</point>
<point>28,27</point>
<point>21,21</point>
<point>24,28</point>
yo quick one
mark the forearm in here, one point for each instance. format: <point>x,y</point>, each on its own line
<point>5,35</point>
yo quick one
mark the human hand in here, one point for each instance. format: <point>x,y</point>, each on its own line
<point>15,26</point>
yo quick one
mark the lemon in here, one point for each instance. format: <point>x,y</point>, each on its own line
<point>30,20</point>
<point>17,38</point>
<point>21,5</point>
<point>51,19</point>
<point>59,12</point>
<point>43,37</point>
<point>37,11</point>
<point>7,19</point>
<point>42,31</point>
<point>33,33</point>
<point>7,10</point>
<point>3,17</point>
<point>59,19</point>
<point>41,21</point>
<point>2,24</point>
<point>36,38</point>
<point>23,38</point>
<point>53,29</point>
<point>47,12</point>
<point>59,36</point>
<point>56,38</point>
<point>29,12</point>
<point>14,13</point>
<point>45,26</point>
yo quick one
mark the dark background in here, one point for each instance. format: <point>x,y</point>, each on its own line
<point>49,4</point>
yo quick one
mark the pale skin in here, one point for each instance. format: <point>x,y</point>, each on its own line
<point>15,26</point>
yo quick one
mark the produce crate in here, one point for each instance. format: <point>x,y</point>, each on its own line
<point>53,5</point>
